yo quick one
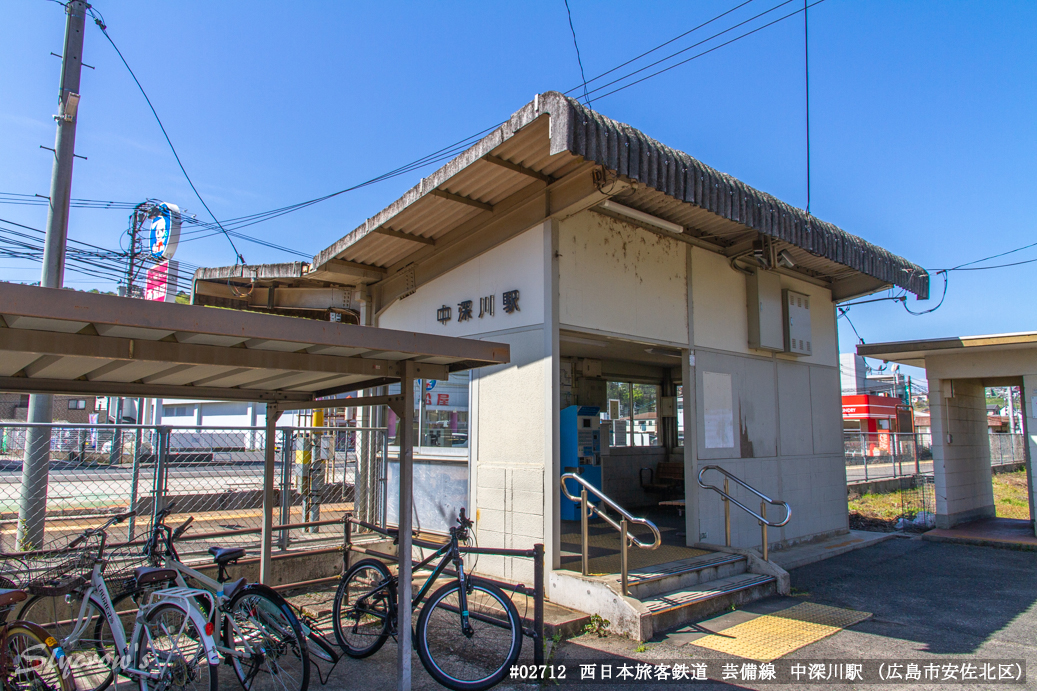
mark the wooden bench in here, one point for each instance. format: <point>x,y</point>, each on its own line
<point>667,479</point>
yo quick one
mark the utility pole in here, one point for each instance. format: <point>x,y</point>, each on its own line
<point>136,225</point>
<point>32,509</point>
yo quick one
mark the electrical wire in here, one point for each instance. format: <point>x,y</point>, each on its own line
<point>938,305</point>
<point>705,52</point>
<point>686,49</point>
<point>98,19</point>
<point>996,266</point>
<point>661,45</point>
<point>806,76</point>
<point>578,58</point>
<point>449,152</point>
<point>844,313</point>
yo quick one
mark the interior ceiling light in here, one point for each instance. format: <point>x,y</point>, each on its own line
<point>665,352</point>
<point>640,216</point>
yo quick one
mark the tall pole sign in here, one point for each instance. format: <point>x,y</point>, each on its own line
<point>163,238</point>
<point>32,508</point>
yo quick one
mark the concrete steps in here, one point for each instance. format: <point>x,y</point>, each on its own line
<point>679,607</point>
<point>673,594</point>
<point>647,582</point>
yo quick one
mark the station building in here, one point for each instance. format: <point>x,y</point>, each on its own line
<point>688,316</point>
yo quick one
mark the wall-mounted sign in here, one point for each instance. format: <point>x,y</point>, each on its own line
<point>465,309</point>
<point>165,230</point>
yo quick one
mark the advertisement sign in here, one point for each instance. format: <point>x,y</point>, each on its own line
<point>161,282</point>
<point>165,230</point>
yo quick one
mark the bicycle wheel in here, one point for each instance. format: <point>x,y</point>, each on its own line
<point>87,654</point>
<point>362,623</point>
<point>32,664</point>
<point>269,649</point>
<point>168,644</point>
<point>471,660</point>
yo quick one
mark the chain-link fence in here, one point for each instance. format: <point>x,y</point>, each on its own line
<point>882,455</point>
<point>1007,448</point>
<point>57,479</point>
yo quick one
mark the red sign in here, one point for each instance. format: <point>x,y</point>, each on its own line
<point>161,282</point>
<point>863,407</point>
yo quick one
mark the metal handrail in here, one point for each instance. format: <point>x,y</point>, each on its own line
<point>588,509</point>
<point>728,499</point>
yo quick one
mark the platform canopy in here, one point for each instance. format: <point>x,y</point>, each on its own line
<point>64,341</point>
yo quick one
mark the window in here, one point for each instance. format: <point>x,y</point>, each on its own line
<point>178,411</point>
<point>76,404</point>
<point>440,412</point>
<point>634,412</point>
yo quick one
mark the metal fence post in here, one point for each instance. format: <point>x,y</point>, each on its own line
<point>134,484</point>
<point>383,509</point>
<point>347,540</point>
<point>161,452</point>
<point>286,488</point>
<point>538,603</point>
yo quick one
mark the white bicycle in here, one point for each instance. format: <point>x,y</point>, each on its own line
<point>171,645</point>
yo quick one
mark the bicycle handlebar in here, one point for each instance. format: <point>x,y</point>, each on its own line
<point>182,528</point>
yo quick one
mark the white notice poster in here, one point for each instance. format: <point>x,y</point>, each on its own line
<point>718,410</point>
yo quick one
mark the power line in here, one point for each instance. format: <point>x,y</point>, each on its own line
<point>578,58</point>
<point>104,30</point>
<point>961,267</point>
<point>706,52</point>
<point>844,312</point>
<point>682,51</point>
<point>996,266</point>
<point>806,76</point>
<point>452,150</point>
<point>661,45</point>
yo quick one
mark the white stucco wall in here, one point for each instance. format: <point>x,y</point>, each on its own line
<point>507,450</point>
<point>517,264</point>
<point>620,279</point>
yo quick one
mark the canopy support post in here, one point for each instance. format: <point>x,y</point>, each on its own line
<point>405,412</point>
<point>267,536</point>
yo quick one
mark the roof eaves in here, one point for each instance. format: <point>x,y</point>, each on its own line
<point>629,152</point>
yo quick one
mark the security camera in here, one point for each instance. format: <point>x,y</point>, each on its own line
<point>785,259</point>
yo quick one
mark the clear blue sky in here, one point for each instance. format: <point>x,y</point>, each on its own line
<point>924,118</point>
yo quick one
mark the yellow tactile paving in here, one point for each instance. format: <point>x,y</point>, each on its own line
<point>771,636</point>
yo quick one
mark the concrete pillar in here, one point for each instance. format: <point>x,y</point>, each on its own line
<point>1029,396</point>
<point>961,451</point>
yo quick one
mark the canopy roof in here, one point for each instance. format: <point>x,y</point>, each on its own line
<point>64,341</point>
<point>550,144</point>
<point>916,352</point>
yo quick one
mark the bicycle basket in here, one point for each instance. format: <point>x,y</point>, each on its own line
<point>62,566</point>
<point>120,563</point>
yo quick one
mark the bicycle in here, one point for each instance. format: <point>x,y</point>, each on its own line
<point>260,632</point>
<point>30,658</point>
<point>468,633</point>
<point>170,645</point>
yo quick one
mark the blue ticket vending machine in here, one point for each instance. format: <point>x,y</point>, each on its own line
<point>581,453</point>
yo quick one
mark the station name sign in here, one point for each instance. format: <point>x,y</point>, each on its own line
<point>466,308</point>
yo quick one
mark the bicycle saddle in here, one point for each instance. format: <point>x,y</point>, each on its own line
<point>225,555</point>
<point>146,575</point>
<point>10,597</point>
